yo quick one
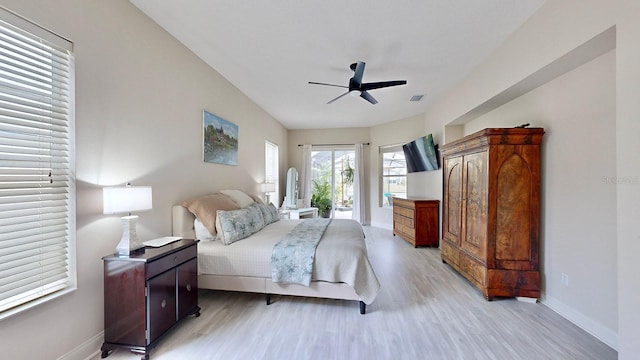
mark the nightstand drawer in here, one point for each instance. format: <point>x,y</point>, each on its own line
<point>170,261</point>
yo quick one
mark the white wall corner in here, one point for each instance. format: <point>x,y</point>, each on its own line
<point>601,332</point>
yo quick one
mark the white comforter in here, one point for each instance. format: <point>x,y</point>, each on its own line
<point>341,256</point>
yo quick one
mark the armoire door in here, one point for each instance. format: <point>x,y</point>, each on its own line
<point>474,196</point>
<point>452,198</point>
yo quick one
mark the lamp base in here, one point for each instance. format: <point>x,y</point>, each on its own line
<point>129,243</point>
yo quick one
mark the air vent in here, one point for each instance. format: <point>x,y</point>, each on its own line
<point>416,98</point>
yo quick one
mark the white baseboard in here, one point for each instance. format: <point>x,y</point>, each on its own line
<point>382,225</point>
<point>87,350</point>
<point>586,323</point>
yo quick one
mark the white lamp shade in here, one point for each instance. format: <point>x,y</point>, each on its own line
<point>268,187</point>
<point>117,200</point>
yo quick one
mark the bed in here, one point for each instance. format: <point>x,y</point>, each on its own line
<point>341,268</point>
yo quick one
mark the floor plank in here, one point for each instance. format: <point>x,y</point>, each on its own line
<point>424,310</point>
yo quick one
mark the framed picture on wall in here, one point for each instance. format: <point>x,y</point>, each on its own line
<point>220,140</point>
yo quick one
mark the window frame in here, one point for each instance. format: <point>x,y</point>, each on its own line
<point>272,170</point>
<point>12,23</point>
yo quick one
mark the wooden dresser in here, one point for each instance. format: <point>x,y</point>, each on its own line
<point>490,210</point>
<point>146,294</point>
<point>416,220</point>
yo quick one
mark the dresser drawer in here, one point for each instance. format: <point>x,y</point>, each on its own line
<point>400,202</point>
<point>170,261</point>
<point>403,211</point>
<point>404,221</point>
<point>408,233</point>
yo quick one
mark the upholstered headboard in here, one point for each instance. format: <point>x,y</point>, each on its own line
<point>182,222</point>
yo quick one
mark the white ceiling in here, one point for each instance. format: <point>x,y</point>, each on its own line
<point>270,50</point>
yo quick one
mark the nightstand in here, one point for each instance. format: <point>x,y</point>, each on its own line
<point>147,293</point>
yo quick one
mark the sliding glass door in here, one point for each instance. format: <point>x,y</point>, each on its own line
<point>332,181</point>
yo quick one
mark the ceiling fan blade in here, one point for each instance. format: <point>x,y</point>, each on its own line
<point>357,87</point>
<point>319,83</point>
<point>334,99</point>
<point>365,95</point>
<point>382,84</point>
<point>358,69</point>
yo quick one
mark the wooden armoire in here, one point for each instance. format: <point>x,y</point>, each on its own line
<point>490,210</point>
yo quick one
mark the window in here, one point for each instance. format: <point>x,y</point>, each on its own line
<point>271,169</point>
<point>37,180</point>
<point>394,174</point>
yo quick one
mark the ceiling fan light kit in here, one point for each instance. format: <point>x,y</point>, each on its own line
<point>358,88</point>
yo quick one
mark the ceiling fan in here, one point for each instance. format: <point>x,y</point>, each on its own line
<point>357,87</point>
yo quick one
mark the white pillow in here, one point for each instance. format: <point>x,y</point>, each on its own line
<point>241,199</point>
<point>201,231</point>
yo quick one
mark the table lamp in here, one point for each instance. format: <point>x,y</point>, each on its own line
<point>117,200</point>
<point>267,189</point>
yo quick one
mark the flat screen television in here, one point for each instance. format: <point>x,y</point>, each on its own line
<point>421,154</point>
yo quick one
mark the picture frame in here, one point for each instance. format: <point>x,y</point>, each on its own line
<point>219,140</point>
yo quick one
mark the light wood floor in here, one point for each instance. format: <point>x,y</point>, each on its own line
<point>424,311</point>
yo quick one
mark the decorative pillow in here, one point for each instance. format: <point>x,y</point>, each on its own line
<point>239,224</point>
<point>257,199</point>
<point>201,231</point>
<point>241,199</point>
<point>266,214</point>
<point>275,214</point>
<point>269,213</point>
<point>205,207</point>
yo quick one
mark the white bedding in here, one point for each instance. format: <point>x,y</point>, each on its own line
<point>341,256</point>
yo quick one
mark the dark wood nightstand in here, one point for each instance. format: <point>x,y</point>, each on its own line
<point>147,293</point>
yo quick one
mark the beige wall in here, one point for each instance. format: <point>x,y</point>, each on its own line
<point>578,198</point>
<point>628,176</point>
<point>139,101</point>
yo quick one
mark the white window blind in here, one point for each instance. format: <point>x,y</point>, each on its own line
<point>37,217</point>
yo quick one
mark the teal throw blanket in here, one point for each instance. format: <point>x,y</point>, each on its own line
<point>292,257</point>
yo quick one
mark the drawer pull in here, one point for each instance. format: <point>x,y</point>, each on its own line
<point>188,287</point>
<point>175,259</point>
<point>163,303</point>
